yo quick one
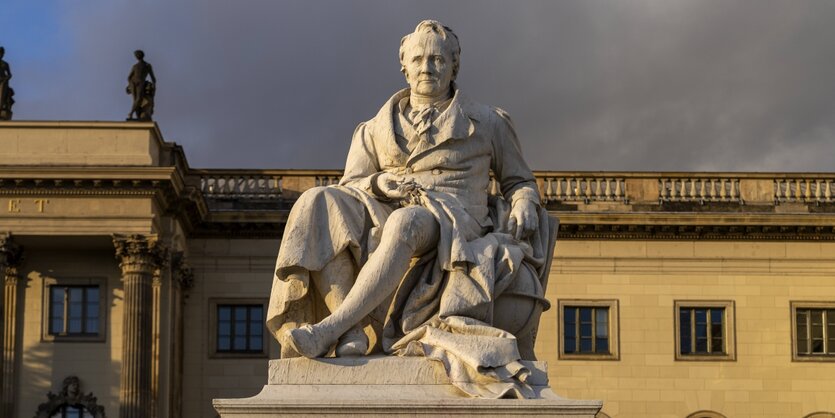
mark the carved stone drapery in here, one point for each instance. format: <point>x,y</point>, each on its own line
<point>70,395</point>
<point>10,258</point>
<point>140,257</point>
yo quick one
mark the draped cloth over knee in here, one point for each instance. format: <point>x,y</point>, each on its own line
<point>443,307</point>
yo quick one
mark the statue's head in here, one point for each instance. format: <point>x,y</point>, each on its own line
<point>139,54</point>
<point>72,386</point>
<point>429,58</point>
<point>2,51</point>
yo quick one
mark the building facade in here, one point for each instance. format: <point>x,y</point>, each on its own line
<point>135,285</point>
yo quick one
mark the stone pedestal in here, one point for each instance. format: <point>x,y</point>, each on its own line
<point>387,386</point>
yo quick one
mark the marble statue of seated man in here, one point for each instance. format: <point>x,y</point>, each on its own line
<point>417,240</point>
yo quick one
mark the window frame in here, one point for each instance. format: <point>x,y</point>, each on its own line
<point>797,357</point>
<point>613,306</point>
<point>213,328</point>
<point>49,283</point>
<point>728,329</point>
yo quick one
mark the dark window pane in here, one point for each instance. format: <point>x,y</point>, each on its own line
<point>255,343</point>
<point>570,315</point>
<point>57,294</point>
<point>802,344</point>
<point>240,343</point>
<point>585,345</point>
<point>585,314</point>
<point>92,326</point>
<point>602,346</point>
<point>817,330</point>
<point>830,314</point>
<point>716,331</point>
<point>56,326</point>
<point>256,313</point>
<point>716,346</point>
<point>256,329</point>
<point>701,316</point>
<point>223,344</point>
<point>585,330</point>
<point>75,294</point>
<point>570,345</point>
<point>224,313</point>
<point>74,326</point>
<point>93,309</point>
<point>716,315</point>
<point>75,310</point>
<point>92,293</point>
<point>701,345</point>
<point>817,317</point>
<point>684,331</point>
<point>240,313</point>
<point>701,330</point>
<point>817,346</point>
<point>224,328</point>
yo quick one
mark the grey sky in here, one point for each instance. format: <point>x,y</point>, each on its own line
<point>591,85</point>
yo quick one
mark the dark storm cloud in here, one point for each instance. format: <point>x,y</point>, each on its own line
<point>591,85</point>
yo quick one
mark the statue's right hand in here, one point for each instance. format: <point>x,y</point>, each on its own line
<point>394,186</point>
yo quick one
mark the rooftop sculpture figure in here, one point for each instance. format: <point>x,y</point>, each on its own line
<point>412,242</point>
<point>6,92</point>
<point>141,89</point>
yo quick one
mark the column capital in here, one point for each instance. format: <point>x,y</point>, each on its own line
<point>11,255</point>
<point>140,253</point>
<point>181,271</point>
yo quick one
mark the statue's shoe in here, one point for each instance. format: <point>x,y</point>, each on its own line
<point>353,344</point>
<point>305,342</point>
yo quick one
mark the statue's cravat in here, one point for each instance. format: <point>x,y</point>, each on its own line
<point>422,118</point>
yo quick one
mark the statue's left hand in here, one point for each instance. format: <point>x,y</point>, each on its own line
<point>523,219</point>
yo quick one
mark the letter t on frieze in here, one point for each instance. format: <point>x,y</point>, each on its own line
<point>140,256</point>
<point>11,256</point>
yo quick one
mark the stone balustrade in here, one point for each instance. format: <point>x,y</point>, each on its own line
<point>699,189</point>
<point>807,189</point>
<point>562,187</point>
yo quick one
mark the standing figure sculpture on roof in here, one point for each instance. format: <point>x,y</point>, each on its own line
<point>142,90</point>
<point>6,92</point>
<point>412,244</point>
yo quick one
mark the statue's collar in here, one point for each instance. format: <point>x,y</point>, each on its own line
<point>454,122</point>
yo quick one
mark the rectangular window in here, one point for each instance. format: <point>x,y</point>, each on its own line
<point>238,328</point>
<point>74,309</point>
<point>814,330</point>
<point>588,329</point>
<point>704,330</point>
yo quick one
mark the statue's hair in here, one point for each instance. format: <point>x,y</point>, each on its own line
<point>140,53</point>
<point>2,50</point>
<point>446,34</point>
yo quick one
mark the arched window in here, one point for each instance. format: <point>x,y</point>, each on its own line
<point>820,415</point>
<point>706,414</point>
<point>70,402</point>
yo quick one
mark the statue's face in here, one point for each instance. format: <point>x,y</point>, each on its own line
<point>428,64</point>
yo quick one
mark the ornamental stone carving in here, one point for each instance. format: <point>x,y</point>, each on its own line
<point>71,396</point>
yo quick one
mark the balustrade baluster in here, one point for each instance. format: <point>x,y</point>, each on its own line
<point>723,194</point>
<point>619,191</point>
<point>828,189</point>
<point>608,191</point>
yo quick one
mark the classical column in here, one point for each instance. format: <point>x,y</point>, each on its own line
<point>140,257</point>
<point>182,281</point>
<point>10,257</point>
